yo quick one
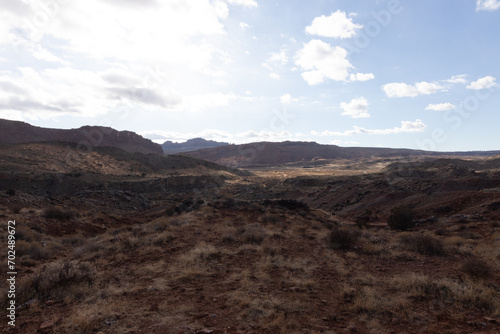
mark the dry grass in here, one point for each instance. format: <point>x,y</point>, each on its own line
<point>272,270</point>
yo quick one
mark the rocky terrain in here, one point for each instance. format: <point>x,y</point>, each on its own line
<point>88,137</point>
<point>109,241</point>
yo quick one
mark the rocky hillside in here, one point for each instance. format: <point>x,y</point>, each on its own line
<point>12,132</point>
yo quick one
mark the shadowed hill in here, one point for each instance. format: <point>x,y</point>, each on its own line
<point>269,154</point>
<point>12,132</point>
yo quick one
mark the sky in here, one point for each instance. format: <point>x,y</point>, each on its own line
<point>381,73</point>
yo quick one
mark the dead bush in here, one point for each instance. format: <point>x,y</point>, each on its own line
<point>163,239</point>
<point>32,250</point>
<point>343,237</point>
<point>58,214</point>
<point>252,234</point>
<point>56,280</point>
<point>270,219</point>
<point>422,243</point>
<point>476,268</point>
<point>401,218</point>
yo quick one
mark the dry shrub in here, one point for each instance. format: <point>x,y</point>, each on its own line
<point>401,218</point>
<point>72,241</point>
<point>131,243</point>
<point>89,319</point>
<point>91,247</point>
<point>476,268</point>
<point>58,214</point>
<point>32,250</point>
<point>421,287</point>
<point>163,239</point>
<point>451,293</point>
<point>252,234</point>
<point>270,218</point>
<point>422,243</point>
<point>159,226</point>
<point>343,237</point>
<point>58,280</point>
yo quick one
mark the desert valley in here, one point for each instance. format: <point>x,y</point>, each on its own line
<point>113,236</point>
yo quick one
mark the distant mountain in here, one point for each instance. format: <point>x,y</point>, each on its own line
<point>13,132</point>
<point>269,154</point>
<point>190,145</point>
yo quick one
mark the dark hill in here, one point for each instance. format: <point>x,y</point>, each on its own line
<point>269,154</point>
<point>13,132</point>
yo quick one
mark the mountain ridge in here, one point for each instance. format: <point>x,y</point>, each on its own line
<point>15,132</point>
<point>194,144</point>
<point>271,153</point>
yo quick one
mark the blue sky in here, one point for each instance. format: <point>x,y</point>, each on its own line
<point>390,73</point>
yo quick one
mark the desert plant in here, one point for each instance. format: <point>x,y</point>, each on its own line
<point>58,214</point>
<point>252,234</point>
<point>56,280</point>
<point>270,219</point>
<point>163,239</point>
<point>401,218</point>
<point>363,222</point>
<point>477,268</point>
<point>342,237</point>
<point>32,250</point>
<point>423,244</point>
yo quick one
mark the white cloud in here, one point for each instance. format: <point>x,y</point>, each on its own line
<point>287,99</point>
<point>344,142</point>
<point>244,25</point>
<point>279,58</point>
<point>406,127</point>
<point>102,29</point>
<point>357,108</point>
<point>245,3</point>
<point>483,83</point>
<point>321,61</point>
<point>62,91</point>
<point>488,5</point>
<point>396,89</point>
<point>441,107</point>
<point>458,79</point>
<point>274,76</point>
<point>362,76</point>
<point>264,135</point>
<point>337,25</point>
<point>276,59</point>
<point>202,102</point>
